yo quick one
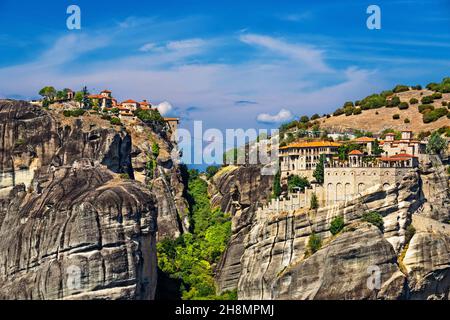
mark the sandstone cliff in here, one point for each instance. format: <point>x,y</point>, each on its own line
<point>78,211</point>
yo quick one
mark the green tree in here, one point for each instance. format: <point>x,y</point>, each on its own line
<point>297,182</point>
<point>337,224</point>
<point>376,149</point>
<point>48,93</point>
<point>86,102</point>
<point>276,187</point>
<point>318,173</point>
<point>155,149</point>
<point>211,171</point>
<point>79,97</point>
<point>436,144</point>
<point>115,121</point>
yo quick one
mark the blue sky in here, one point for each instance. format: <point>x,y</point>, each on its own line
<point>232,64</point>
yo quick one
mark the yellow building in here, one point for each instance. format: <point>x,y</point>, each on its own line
<point>301,158</point>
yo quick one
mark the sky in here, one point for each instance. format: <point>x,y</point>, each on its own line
<point>231,64</point>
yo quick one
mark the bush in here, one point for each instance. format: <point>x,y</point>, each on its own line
<point>46,103</point>
<point>409,233</point>
<point>315,116</point>
<point>387,93</point>
<point>417,87</point>
<point>403,106</point>
<point>74,113</point>
<point>211,171</point>
<point>374,218</point>
<point>444,103</point>
<point>427,99</point>
<point>304,119</point>
<point>406,120</point>
<point>396,116</point>
<point>357,111</point>
<point>314,202</point>
<point>155,149</point>
<point>434,115</point>
<point>373,101</point>
<point>436,95</point>
<point>394,102</point>
<point>115,121</point>
<point>425,108</point>
<point>433,86</point>
<point>413,101</point>
<point>337,224</point>
<point>338,112</point>
<point>348,104</point>
<point>400,88</point>
<point>314,243</point>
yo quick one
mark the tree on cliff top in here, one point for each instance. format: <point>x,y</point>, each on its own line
<point>276,188</point>
<point>48,93</point>
<point>436,144</point>
<point>319,171</point>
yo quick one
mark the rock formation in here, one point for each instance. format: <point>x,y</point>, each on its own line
<point>271,261</point>
<point>74,224</point>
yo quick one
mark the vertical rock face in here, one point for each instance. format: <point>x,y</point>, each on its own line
<point>268,258</point>
<point>239,191</point>
<point>71,227</point>
<point>86,235</point>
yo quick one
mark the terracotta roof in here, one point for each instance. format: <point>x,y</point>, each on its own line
<point>398,157</point>
<point>145,103</point>
<point>106,91</point>
<point>356,152</point>
<point>312,144</point>
<point>96,96</point>
<point>129,101</point>
<point>364,139</point>
<point>171,119</point>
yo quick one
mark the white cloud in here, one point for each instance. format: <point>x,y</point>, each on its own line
<point>147,47</point>
<point>281,116</point>
<point>164,108</point>
<point>308,55</point>
<point>185,44</point>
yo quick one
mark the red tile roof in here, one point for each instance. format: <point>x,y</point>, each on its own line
<point>356,152</point>
<point>129,101</point>
<point>364,139</point>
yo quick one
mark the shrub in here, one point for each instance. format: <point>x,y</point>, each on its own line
<point>315,116</point>
<point>413,101</point>
<point>338,112</point>
<point>314,202</point>
<point>425,108</point>
<point>433,86</point>
<point>444,103</point>
<point>314,243</point>
<point>403,105</point>
<point>115,121</point>
<point>337,224</point>
<point>124,176</point>
<point>396,116</point>
<point>400,88</point>
<point>357,111</point>
<point>427,100</point>
<point>409,233</point>
<point>374,218</point>
<point>417,87</point>
<point>394,102</point>
<point>373,101</point>
<point>406,120</point>
<point>348,112</point>
<point>46,103</point>
<point>155,149</point>
<point>436,95</point>
<point>434,115</point>
<point>211,171</point>
<point>357,102</point>
<point>348,104</point>
<point>387,93</point>
<point>73,113</point>
<point>304,119</point>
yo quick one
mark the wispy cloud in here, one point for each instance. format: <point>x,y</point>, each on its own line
<point>308,55</point>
